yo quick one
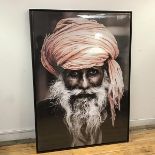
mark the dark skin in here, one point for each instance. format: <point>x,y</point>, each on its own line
<point>83,78</point>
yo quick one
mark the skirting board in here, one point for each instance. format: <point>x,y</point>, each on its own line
<point>17,135</point>
<point>30,133</point>
<point>142,122</point>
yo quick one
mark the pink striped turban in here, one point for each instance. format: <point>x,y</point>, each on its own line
<point>78,43</point>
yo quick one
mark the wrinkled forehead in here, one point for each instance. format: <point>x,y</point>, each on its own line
<point>99,68</point>
<point>84,69</point>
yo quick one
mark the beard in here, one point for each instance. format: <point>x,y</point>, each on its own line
<point>85,111</point>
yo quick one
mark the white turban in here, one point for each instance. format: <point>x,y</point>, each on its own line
<point>79,43</point>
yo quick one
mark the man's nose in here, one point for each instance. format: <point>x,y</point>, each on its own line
<point>84,83</point>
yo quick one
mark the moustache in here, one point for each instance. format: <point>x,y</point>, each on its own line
<point>81,92</point>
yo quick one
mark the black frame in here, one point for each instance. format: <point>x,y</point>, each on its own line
<point>34,73</point>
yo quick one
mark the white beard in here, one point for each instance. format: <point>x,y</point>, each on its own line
<point>84,116</point>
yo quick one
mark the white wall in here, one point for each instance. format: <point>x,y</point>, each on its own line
<point>16,91</point>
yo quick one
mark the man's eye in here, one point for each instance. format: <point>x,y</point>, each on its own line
<point>73,74</point>
<point>92,72</point>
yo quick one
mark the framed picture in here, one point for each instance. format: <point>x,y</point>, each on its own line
<point>81,75</point>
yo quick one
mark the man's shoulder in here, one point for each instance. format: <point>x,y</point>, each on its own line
<point>49,107</point>
<point>51,128</point>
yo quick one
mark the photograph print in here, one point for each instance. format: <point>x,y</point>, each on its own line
<point>81,77</point>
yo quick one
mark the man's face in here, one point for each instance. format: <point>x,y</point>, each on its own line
<point>83,78</point>
<point>84,101</point>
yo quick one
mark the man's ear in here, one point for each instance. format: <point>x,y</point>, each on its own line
<point>106,74</point>
<point>106,68</point>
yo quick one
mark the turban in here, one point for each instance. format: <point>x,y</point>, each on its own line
<point>78,43</point>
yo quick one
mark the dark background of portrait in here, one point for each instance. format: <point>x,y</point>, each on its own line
<point>43,23</point>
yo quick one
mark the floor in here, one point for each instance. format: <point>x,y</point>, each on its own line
<point>142,142</point>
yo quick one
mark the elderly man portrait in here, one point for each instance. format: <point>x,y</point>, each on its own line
<point>85,95</point>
